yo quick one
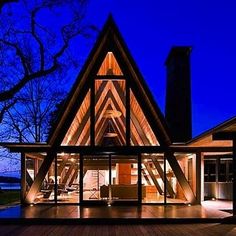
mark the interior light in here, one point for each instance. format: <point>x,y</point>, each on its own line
<point>112,113</point>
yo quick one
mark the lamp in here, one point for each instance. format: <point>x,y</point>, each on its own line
<point>110,133</point>
<point>112,113</point>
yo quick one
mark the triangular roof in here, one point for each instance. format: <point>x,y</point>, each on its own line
<point>109,39</point>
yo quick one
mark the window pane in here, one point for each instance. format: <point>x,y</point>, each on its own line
<point>222,171</point>
<point>124,185</point>
<point>79,130</point>
<point>210,170</point>
<point>96,177</point>
<point>110,112</point>
<point>110,66</point>
<point>68,177</point>
<point>152,178</point>
<point>46,194</point>
<point>141,131</point>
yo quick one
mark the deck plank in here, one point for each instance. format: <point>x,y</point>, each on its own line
<point>124,212</point>
<point>121,230</point>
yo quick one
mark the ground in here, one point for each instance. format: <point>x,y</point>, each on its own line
<point>9,196</point>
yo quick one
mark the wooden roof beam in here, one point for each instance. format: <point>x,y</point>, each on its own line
<point>161,173</point>
<point>183,182</point>
<point>149,170</point>
<point>132,116</point>
<point>110,77</point>
<point>74,176</point>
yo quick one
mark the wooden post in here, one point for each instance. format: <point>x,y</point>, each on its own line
<point>81,176</point>
<point>55,173</point>
<point>127,113</point>
<point>23,178</point>
<point>165,192</point>
<point>139,180</point>
<point>110,182</point>
<point>92,113</point>
<point>234,176</point>
<point>199,177</point>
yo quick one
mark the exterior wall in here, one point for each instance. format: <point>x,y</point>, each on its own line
<point>218,190</point>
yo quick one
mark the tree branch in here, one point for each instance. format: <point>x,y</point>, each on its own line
<point>41,47</point>
<point>5,2</point>
<point>19,53</point>
<point>5,108</point>
<point>8,94</point>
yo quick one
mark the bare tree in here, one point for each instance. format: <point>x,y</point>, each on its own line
<point>29,119</point>
<point>33,47</point>
<point>36,38</point>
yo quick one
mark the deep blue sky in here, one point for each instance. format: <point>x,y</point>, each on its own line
<point>150,28</point>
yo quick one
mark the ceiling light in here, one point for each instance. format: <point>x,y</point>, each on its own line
<point>112,114</point>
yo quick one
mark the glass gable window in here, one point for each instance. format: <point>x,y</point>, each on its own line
<point>110,66</point>
<point>110,104</point>
<point>110,110</point>
<point>79,130</point>
<point>141,131</point>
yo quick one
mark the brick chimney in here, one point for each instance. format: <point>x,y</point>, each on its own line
<point>178,111</point>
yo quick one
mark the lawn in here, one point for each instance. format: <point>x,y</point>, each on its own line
<point>9,196</point>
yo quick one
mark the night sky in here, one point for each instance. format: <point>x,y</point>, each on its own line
<point>151,28</point>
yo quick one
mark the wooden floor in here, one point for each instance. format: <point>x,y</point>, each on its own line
<point>116,230</point>
<point>117,220</point>
<point>120,213</point>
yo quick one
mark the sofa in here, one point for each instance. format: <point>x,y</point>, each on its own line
<point>121,191</point>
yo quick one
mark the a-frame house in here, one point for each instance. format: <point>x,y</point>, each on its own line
<point>110,143</point>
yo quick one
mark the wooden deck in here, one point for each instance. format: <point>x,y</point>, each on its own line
<point>117,230</point>
<point>117,220</point>
<point>114,214</point>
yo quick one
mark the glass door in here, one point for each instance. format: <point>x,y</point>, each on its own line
<point>110,179</point>
<point>95,178</point>
<point>124,178</point>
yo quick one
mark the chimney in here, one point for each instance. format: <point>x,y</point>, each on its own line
<point>178,111</point>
